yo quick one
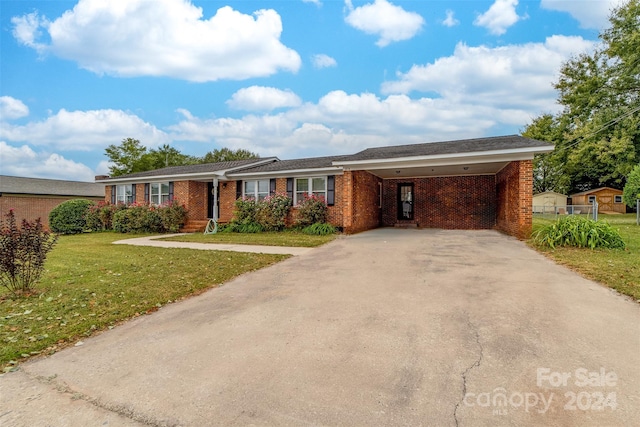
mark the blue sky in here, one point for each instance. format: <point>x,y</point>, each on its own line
<point>290,78</point>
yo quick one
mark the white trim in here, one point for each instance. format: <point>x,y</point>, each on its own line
<point>446,159</point>
<point>207,176</point>
<point>292,173</point>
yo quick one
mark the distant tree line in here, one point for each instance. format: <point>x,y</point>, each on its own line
<point>597,133</point>
<point>130,156</point>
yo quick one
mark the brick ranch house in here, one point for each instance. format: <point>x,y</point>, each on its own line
<point>483,183</point>
<point>33,198</point>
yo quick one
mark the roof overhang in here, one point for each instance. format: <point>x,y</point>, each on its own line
<point>331,170</point>
<point>453,164</point>
<point>200,176</point>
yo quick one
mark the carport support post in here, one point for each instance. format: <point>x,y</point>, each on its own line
<point>215,199</point>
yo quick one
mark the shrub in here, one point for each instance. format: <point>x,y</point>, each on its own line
<point>100,216</point>
<point>271,212</point>
<point>319,229</point>
<point>631,191</point>
<point>146,218</point>
<point>70,217</point>
<point>312,210</point>
<point>172,216</point>
<point>579,232</point>
<point>252,216</point>
<point>23,252</point>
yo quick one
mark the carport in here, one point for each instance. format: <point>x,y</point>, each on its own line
<point>469,184</point>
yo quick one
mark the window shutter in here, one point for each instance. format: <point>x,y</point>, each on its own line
<point>272,186</point>
<point>146,192</point>
<point>290,188</point>
<point>133,193</point>
<point>238,189</point>
<point>331,190</point>
<point>171,191</point>
<point>113,194</point>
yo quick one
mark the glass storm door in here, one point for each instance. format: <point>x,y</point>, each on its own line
<point>405,201</point>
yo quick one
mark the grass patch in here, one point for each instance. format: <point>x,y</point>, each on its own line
<point>267,238</point>
<point>90,285</point>
<point>615,268</point>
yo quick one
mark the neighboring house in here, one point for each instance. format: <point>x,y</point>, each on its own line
<point>549,202</point>
<point>33,198</point>
<point>609,199</point>
<point>480,183</point>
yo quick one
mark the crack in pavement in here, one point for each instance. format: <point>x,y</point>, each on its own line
<point>123,411</point>
<point>475,364</point>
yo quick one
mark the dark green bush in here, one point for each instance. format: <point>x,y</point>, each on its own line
<point>23,252</point>
<point>70,217</point>
<point>312,210</point>
<point>145,218</point>
<point>319,229</point>
<point>252,216</point>
<point>579,232</point>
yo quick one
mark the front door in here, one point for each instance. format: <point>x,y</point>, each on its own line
<point>405,201</point>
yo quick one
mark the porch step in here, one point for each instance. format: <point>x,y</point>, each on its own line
<point>406,225</point>
<point>194,226</point>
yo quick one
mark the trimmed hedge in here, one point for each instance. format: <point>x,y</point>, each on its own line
<point>70,217</point>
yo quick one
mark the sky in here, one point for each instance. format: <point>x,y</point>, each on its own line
<point>285,78</point>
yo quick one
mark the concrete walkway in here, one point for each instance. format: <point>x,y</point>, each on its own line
<point>259,249</point>
<point>383,328</point>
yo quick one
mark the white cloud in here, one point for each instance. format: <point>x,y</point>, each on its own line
<point>23,161</point>
<point>500,16</point>
<point>260,98</point>
<point>514,76</point>
<point>167,38</point>
<point>593,14</point>
<point>316,2</point>
<point>11,108</point>
<point>323,61</point>
<point>392,23</point>
<point>450,21</point>
<point>84,130</point>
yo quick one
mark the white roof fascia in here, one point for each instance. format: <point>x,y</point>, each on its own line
<point>333,170</point>
<point>220,174</point>
<point>448,159</point>
<point>441,160</point>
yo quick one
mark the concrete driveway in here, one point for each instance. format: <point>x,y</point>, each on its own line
<point>387,327</point>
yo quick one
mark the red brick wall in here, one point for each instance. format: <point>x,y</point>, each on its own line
<point>459,202</point>
<point>227,199</point>
<point>514,196</point>
<point>360,201</point>
<point>33,207</point>
<point>193,195</point>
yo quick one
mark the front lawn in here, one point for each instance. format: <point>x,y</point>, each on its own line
<point>272,238</point>
<point>91,284</point>
<point>618,269</point>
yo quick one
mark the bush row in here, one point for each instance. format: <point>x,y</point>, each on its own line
<point>78,216</point>
<point>270,213</point>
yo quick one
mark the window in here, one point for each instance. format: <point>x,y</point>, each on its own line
<point>592,199</point>
<point>258,189</point>
<point>159,193</point>
<point>125,194</point>
<point>617,199</point>
<point>316,186</point>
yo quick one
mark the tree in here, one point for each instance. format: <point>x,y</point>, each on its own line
<point>166,156</point>
<point>631,190</point>
<point>226,154</point>
<point>600,120</point>
<point>126,158</point>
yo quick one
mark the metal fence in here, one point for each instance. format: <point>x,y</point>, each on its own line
<point>555,212</point>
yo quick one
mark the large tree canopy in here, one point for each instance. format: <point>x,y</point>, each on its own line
<point>597,133</point>
<point>131,156</point>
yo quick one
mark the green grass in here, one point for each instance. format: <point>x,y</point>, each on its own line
<point>91,285</point>
<point>275,238</point>
<point>617,269</point>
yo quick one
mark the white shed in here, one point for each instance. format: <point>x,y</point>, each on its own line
<point>548,201</point>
